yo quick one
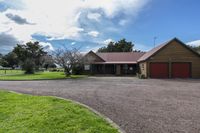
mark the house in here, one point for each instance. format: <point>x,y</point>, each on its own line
<point>122,63</point>
<point>173,59</point>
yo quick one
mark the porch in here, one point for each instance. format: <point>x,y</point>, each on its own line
<point>114,69</point>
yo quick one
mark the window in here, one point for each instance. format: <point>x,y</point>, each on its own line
<point>125,67</point>
<point>87,67</point>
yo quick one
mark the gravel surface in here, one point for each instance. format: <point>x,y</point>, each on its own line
<point>137,106</point>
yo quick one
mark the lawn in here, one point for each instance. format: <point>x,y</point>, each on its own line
<point>9,72</point>
<point>38,114</point>
<point>38,76</point>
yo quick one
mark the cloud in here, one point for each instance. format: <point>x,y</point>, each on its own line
<point>123,22</point>
<point>108,41</point>
<point>60,19</point>
<point>7,42</point>
<point>47,46</point>
<point>93,33</point>
<point>112,8</point>
<point>73,43</point>
<point>94,16</point>
<point>194,43</point>
<point>17,19</point>
<point>6,4</point>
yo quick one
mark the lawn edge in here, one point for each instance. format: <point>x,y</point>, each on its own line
<point>46,79</point>
<point>112,123</point>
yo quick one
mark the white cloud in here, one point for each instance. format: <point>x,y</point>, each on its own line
<point>59,19</point>
<point>112,7</point>
<point>107,41</point>
<point>73,43</point>
<point>47,46</point>
<point>194,43</point>
<point>94,16</point>
<point>93,33</point>
<point>123,22</point>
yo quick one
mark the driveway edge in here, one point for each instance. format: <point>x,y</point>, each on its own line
<point>112,123</point>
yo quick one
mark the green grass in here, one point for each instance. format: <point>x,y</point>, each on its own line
<point>10,72</point>
<point>41,114</point>
<point>39,76</point>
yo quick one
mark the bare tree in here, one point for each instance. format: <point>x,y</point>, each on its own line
<point>47,61</point>
<point>68,59</point>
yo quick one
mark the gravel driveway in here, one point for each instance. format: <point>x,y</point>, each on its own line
<point>137,106</point>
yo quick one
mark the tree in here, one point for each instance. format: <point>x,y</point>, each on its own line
<point>10,60</point>
<point>1,59</point>
<point>29,66</point>
<point>3,62</point>
<point>48,62</point>
<point>196,48</point>
<point>120,46</point>
<point>68,59</point>
<point>30,56</point>
<point>1,55</point>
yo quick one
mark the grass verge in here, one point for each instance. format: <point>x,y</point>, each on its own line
<point>36,114</point>
<point>39,76</point>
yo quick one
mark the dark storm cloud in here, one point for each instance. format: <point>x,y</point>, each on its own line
<point>7,42</point>
<point>18,19</point>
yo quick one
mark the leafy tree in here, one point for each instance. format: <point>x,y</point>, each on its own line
<point>196,48</point>
<point>3,62</point>
<point>120,46</point>
<point>10,60</point>
<point>30,56</point>
<point>29,66</point>
<point>1,55</point>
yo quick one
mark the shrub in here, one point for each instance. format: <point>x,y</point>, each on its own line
<point>77,70</point>
<point>53,70</point>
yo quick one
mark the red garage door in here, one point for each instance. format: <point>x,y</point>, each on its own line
<point>159,70</point>
<point>181,70</point>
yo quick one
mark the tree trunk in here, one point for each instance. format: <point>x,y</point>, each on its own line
<point>67,72</point>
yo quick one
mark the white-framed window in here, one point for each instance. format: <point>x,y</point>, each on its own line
<point>87,67</point>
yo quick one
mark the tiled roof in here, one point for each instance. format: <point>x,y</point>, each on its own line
<point>120,57</point>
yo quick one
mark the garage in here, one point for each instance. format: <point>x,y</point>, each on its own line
<point>159,70</point>
<point>181,70</point>
<point>180,61</point>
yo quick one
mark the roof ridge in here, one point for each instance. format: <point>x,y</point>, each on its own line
<point>120,52</point>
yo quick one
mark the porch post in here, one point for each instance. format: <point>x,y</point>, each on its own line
<point>118,69</point>
<point>91,69</point>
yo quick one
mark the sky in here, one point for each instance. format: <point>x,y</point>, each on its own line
<point>91,24</point>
